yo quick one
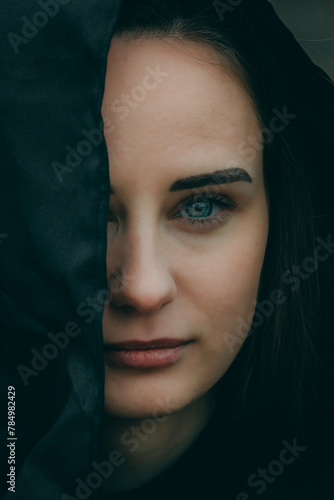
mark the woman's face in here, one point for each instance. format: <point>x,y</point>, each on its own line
<point>187,235</point>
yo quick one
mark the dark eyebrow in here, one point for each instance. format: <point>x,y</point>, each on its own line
<point>218,177</point>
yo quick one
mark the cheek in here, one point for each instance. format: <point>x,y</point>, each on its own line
<point>223,280</point>
<point>225,299</point>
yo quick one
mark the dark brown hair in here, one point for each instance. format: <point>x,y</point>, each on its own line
<point>275,373</point>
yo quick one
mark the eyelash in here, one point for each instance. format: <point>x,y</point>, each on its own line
<point>220,218</point>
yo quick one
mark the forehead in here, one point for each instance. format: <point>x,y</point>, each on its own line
<point>176,96</point>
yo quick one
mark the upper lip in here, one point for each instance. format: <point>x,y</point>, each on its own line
<point>164,343</point>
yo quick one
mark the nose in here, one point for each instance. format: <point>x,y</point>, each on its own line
<point>141,279</point>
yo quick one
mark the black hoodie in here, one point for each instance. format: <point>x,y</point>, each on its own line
<point>54,193</point>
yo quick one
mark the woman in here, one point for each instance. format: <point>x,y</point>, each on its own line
<point>214,374</point>
<point>213,237</point>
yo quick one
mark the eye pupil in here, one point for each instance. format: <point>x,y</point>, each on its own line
<point>199,209</point>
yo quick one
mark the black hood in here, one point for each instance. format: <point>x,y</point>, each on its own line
<point>54,194</point>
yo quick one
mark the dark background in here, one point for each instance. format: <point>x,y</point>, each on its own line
<point>312,23</point>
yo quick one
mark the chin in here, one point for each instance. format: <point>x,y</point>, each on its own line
<point>145,402</point>
<point>139,410</point>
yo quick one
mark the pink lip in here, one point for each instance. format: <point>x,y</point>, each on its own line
<point>142,354</point>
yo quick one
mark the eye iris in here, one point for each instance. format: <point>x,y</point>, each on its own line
<point>199,209</point>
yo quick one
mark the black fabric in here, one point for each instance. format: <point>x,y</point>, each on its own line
<point>218,465</point>
<point>53,214</point>
<point>54,192</point>
<point>236,462</point>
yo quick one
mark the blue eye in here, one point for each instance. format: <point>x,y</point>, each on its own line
<point>205,209</point>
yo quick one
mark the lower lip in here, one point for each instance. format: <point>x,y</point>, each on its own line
<point>145,358</point>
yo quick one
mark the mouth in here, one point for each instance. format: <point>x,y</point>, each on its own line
<point>145,355</point>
